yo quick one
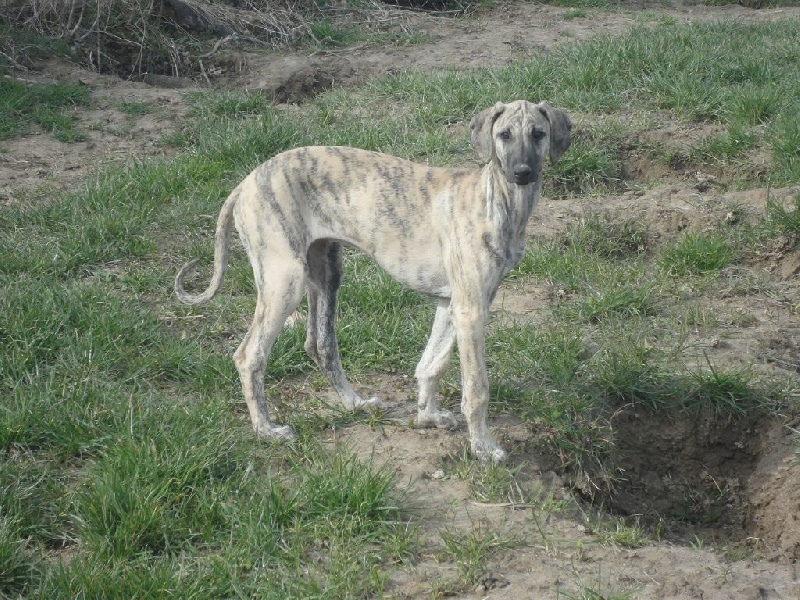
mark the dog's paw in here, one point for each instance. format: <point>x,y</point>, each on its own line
<point>488,451</point>
<point>279,433</point>
<point>359,403</point>
<point>373,403</point>
<point>441,419</point>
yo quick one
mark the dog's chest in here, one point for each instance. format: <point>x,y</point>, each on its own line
<point>505,237</point>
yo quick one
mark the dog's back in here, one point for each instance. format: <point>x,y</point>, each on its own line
<point>391,208</point>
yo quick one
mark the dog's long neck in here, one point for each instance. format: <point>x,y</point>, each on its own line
<point>509,206</point>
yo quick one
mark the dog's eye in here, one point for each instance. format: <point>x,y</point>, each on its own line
<point>538,134</point>
<point>505,135</point>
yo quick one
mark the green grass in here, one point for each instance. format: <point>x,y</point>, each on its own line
<point>627,533</point>
<point>580,3</point>
<point>593,592</point>
<point>46,105</point>
<point>135,109</point>
<point>784,220</point>
<point>17,566</point>
<point>124,443</point>
<point>697,253</point>
<point>618,300</point>
<point>469,552</point>
<point>490,483</point>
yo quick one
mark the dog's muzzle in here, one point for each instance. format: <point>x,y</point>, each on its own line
<point>522,175</point>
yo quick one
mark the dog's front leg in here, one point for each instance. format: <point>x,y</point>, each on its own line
<point>431,366</point>
<point>469,319</point>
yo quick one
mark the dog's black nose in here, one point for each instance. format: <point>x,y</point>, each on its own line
<point>523,174</point>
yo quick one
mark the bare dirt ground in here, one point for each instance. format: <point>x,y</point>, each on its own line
<point>752,464</point>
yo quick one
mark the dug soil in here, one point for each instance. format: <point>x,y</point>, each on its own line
<point>726,494</point>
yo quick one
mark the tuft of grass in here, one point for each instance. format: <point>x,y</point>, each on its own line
<point>529,355</point>
<point>97,576</point>
<point>568,268</point>
<point>17,567</point>
<point>135,109</point>
<point>326,33</point>
<point>784,220</point>
<point>755,106</point>
<point>470,551</point>
<point>228,105</point>
<point>574,13</point>
<point>347,490</point>
<point>627,371</point>
<point>593,592</point>
<point>630,371</point>
<point>153,496</point>
<point>783,140</point>
<point>616,299</point>
<point>696,254</point>
<point>603,235</point>
<point>488,482</point>
<point>725,391</point>
<point>733,143</point>
<point>580,3</point>
<point>627,533</point>
<point>622,302</point>
<point>587,254</point>
<point>592,163</point>
<point>23,105</point>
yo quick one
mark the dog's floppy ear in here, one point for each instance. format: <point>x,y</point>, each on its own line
<point>481,126</point>
<point>560,126</point>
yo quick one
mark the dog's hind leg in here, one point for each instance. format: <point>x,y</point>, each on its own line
<point>276,301</point>
<point>431,367</point>
<point>324,278</point>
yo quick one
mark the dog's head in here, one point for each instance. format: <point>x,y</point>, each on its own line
<point>518,135</point>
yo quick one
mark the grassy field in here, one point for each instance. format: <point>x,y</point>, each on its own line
<point>127,468</point>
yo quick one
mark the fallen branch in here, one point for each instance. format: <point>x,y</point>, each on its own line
<point>14,64</point>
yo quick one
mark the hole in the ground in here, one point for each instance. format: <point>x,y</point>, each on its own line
<point>705,477</point>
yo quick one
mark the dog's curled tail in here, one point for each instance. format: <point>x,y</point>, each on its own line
<point>220,258</point>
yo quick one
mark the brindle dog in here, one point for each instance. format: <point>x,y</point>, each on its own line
<point>451,234</point>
